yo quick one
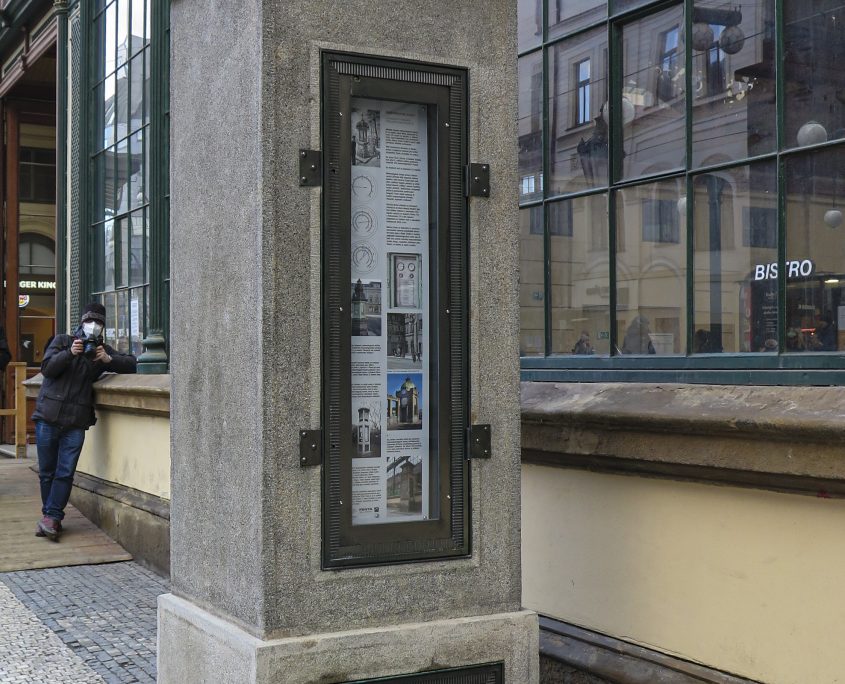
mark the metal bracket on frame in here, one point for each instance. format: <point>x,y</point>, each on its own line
<point>479,441</point>
<point>478,180</point>
<point>310,168</point>
<point>310,448</point>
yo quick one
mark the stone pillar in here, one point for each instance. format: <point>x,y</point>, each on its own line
<point>250,601</point>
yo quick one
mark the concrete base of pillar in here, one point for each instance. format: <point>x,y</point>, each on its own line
<point>195,646</point>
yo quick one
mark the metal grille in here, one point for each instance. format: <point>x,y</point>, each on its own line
<point>393,73</point>
<point>458,289</point>
<point>75,167</point>
<point>484,674</point>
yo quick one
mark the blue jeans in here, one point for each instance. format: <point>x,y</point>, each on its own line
<point>58,454</point>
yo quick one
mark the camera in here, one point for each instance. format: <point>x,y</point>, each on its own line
<point>90,344</point>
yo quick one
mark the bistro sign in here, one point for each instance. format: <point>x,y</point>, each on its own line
<point>795,269</point>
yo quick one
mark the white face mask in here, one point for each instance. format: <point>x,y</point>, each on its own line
<point>92,329</point>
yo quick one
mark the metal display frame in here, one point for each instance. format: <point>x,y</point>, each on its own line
<point>444,91</point>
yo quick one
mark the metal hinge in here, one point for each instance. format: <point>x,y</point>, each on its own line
<point>479,441</point>
<point>310,448</point>
<point>310,168</point>
<point>477,180</point>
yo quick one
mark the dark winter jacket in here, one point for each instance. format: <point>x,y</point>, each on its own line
<point>67,394</point>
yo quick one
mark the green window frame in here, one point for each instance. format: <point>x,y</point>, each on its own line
<point>539,361</point>
<point>125,237</point>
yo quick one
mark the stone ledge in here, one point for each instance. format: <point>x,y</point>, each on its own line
<point>781,438</point>
<point>614,660</point>
<point>131,393</point>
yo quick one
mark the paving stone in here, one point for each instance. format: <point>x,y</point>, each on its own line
<point>102,615</point>
<point>31,653</point>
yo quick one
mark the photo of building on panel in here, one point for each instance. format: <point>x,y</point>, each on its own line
<point>404,341</point>
<point>404,401</point>
<point>366,308</point>
<point>405,280</point>
<point>366,138</point>
<point>404,485</point>
<point>366,428</point>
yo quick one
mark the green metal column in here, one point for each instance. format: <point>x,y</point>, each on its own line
<point>61,10</point>
<point>154,358</point>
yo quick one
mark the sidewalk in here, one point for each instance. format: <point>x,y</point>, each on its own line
<point>72,622</point>
<point>87,624</point>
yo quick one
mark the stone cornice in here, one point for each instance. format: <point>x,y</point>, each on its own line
<point>782,438</point>
<point>141,394</point>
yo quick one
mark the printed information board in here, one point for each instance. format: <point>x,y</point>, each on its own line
<point>390,300</point>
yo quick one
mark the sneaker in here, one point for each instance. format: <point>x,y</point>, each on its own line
<point>39,533</point>
<point>49,527</point>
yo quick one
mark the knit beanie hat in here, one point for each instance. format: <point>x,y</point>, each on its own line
<point>94,312</point>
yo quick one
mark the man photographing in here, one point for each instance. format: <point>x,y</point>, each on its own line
<point>65,409</point>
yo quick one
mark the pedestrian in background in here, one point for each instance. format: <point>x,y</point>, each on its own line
<point>65,409</point>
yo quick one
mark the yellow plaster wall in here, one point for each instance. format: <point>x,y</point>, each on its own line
<point>741,580</point>
<point>129,449</point>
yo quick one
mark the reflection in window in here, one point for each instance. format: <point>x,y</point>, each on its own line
<point>661,221</point>
<point>733,81</point>
<point>736,217</point>
<point>119,186</point>
<point>815,251</point>
<point>651,280</point>
<point>580,279</point>
<point>669,65</point>
<point>652,95</point>
<point>530,126</point>
<point>531,283</point>
<point>566,16</point>
<point>577,154</point>
<point>582,92</point>
<point>735,302</point>
<point>814,52</point>
<point>529,23</point>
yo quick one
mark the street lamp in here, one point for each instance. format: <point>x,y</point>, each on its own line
<point>593,153</point>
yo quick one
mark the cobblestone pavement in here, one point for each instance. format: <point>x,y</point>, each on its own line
<point>83,624</point>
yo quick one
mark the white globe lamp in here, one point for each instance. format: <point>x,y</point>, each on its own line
<point>811,133</point>
<point>833,218</point>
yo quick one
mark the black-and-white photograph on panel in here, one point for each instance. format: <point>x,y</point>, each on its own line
<point>366,137</point>
<point>366,308</point>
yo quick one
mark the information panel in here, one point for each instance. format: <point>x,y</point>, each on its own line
<point>390,298</point>
<point>395,302</point>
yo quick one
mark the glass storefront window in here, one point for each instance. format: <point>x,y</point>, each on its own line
<point>580,277</point>
<point>120,189</point>
<point>735,230</point>
<point>652,94</point>
<point>733,82</point>
<point>531,282</point>
<point>651,277</point>
<point>677,191</point>
<point>579,135</point>
<point>814,51</point>
<point>815,252</point>
<point>530,127</point>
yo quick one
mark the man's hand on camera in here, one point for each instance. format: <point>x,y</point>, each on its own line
<point>76,347</point>
<point>102,356</point>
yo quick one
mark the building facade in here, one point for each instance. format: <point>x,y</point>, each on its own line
<point>681,327</point>
<point>682,311</point>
